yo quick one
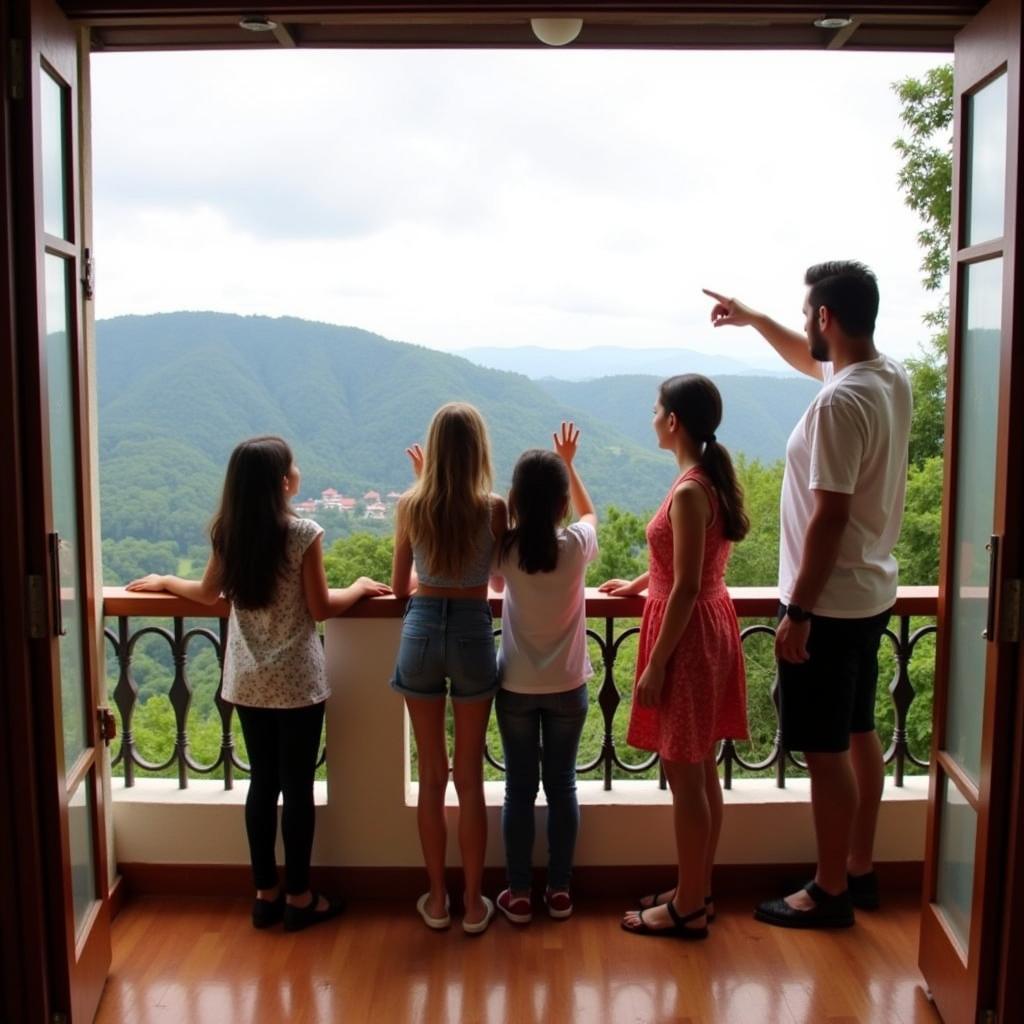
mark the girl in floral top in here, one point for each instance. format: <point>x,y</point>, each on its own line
<point>269,564</point>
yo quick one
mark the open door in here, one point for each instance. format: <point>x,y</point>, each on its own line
<point>979,589</point>
<point>52,307</point>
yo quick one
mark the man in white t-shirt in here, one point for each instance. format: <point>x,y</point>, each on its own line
<point>841,510</point>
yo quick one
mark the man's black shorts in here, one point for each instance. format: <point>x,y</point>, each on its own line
<point>824,699</point>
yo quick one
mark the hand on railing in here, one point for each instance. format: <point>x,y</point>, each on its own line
<point>624,588</point>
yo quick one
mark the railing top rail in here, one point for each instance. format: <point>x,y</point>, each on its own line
<point>750,602</point>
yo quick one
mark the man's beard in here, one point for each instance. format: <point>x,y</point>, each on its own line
<point>819,347</point>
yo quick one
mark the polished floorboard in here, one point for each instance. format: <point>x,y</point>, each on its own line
<point>200,961</point>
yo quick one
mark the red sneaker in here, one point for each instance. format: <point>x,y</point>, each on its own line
<point>518,909</point>
<point>559,903</point>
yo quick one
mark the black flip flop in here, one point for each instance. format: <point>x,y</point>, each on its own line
<point>678,929</point>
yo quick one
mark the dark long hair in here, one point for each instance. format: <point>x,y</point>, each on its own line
<point>698,407</point>
<point>249,533</point>
<point>536,505</point>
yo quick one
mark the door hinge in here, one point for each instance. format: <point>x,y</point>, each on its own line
<point>36,608</point>
<point>16,70</point>
<point>1009,625</point>
<point>88,274</point>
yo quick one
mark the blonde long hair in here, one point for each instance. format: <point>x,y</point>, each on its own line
<point>444,510</point>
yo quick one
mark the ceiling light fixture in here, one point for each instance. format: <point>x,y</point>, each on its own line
<point>833,21</point>
<point>556,31</point>
<point>257,23</point>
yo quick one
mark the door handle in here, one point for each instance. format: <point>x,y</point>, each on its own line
<point>107,725</point>
<point>55,600</point>
<point>992,547</point>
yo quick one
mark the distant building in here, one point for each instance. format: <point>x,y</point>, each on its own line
<point>376,510</point>
<point>371,497</point>
<point>307,506</point>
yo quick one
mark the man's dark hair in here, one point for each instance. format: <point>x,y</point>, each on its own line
<point>849,290</point>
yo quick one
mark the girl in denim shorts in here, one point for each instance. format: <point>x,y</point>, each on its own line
<point>446,528</point>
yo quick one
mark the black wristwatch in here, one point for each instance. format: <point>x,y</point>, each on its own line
<point>797,614</point>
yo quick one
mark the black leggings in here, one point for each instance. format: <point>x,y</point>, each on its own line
<point>283,744</point>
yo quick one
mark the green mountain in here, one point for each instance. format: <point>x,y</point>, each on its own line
<point>759,412</point>
<point>177,391</point>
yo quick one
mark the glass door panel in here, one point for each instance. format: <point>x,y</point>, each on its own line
<point>986,162</point>
<point>978,382</point>
<point>64,549</point>
<point>958,829</point>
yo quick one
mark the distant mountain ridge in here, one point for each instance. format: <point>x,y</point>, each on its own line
<point>759,412</point>
<point>612,361</point>
<point>176,391</point>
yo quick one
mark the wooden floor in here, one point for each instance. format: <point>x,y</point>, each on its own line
<point>201,961</point>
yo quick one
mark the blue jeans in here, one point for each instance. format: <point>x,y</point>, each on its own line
<point>541,735</point>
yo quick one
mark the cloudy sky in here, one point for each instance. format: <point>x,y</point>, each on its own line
<point>558,197</point>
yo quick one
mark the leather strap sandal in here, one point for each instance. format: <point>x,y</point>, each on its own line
<point>652,900</point>
<point>677,930</point>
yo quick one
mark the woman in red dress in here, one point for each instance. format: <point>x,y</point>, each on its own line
<point>690,689</point>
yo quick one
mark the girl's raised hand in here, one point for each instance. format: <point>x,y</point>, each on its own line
<point>415,454</point>
<point>152,582</point>
<point>566,442</point>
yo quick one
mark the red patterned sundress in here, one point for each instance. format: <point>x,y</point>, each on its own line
<point>705,694</point>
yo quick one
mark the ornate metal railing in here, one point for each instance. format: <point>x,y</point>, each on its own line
<point>757,604</point>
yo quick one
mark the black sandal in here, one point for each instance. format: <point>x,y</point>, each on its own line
<point>297,918</point>
<point>653,897</point>
<point>829,911</point>
<point>677,930</point>
<point>267,913</point>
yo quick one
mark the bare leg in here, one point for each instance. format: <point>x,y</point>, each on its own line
<point>716,805</point>
<point>713,789</point>
<point>468,770</point>
<point>432,753</point>
<point>834,804</point>
<point>869,771</point>
<point>692,819</point>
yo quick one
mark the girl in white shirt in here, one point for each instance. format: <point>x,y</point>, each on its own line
<point>544,666</point>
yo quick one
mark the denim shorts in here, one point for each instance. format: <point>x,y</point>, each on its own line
<point>447,639</point>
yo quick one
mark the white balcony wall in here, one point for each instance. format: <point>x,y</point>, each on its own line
<point>367,815</point>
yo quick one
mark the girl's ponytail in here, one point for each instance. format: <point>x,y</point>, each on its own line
<point>697,405</point>
<point>715,461</point>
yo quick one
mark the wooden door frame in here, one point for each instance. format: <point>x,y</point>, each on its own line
<point>988,930</point>
<point>24,932</point>
<point>38,813</point>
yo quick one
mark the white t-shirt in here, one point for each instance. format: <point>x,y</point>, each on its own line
<point>543,619</point>
<point>853,440</point>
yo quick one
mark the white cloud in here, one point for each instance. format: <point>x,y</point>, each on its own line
<point>564,198</point>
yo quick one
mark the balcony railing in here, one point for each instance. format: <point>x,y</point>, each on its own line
<point>759,604</point>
